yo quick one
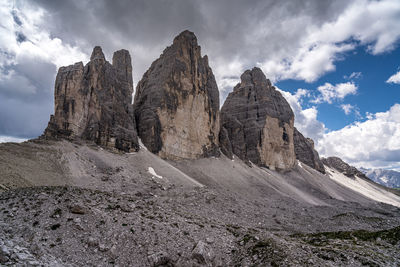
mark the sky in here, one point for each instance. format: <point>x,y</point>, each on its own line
<point>336,62</point>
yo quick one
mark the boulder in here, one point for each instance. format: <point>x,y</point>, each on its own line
<point>203,254</point>
<point>94,102</point>
<point>305,152</point>
<point>177,103</point>
<point>257,123</point>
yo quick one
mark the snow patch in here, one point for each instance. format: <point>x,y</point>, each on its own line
<point>384,179</point>
<point>364,188</point>
<point>153,172</point>
<point>141,145</point>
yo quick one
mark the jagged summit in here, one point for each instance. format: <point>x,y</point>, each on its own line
<point>93,102</point>
<point>97,53</point>
<point>257,123</point>
<point>177,103</point>
<point>186,37</point>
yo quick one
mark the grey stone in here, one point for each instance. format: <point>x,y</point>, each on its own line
<point>257,123</point>
<point>4,254</point>
<point>159,259</point>
<point>305,152</point>
<point>203,254</point>
<point>94,102</point>
<point>343,167</point>
<point>177,103</point>
<point>77,209</point>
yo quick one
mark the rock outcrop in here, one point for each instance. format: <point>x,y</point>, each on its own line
<point>343,167</point>
<point>94,102</point>
<point>177,103</point>
<point>305,152</point>
<point>257,123</point>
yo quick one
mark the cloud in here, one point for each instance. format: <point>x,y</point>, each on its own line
<point>347,108</point>
<point>372,143</point>
<point>353,76</point>
<point>29,57</point>
<point>395,78</point>
<point>331,92</point>
<point>305,120</point>
<point>7,139</point>
<point>288,39</point>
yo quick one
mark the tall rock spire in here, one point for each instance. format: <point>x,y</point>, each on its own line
<point>257,123</point>
<point>177,103</point>
<point>94,102</point>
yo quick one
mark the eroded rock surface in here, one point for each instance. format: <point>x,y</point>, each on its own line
<point>94,102</point>
<point>177,103</point>
<point>257,123</point>
<point>305,152</point>
<point>343,167</point>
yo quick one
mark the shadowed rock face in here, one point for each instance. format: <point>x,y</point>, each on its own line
<point>343,167</point>
<point>94,102</point>
<point>177,103</point>
<point>257,123</point>
<point>305,152</point>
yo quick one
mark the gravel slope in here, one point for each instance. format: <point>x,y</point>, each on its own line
<point>85,206</point>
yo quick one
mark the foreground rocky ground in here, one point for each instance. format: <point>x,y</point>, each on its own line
<point>114,212</point>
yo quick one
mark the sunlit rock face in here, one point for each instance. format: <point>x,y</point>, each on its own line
<point>94,102</point>
<point>177,103</point>
<point>257,123</point>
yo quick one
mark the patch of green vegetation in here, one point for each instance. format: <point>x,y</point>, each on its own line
<point>391,236</point>
<point>267,252</point>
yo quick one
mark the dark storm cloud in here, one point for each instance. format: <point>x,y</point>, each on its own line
<point>225,29</point>
<point>228,30</point>
<point>26,98</point>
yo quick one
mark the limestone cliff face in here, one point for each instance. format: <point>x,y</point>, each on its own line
<point>305,152</point>
<point>257,123</point>
<point>94,102</point>
<point>177,103</point>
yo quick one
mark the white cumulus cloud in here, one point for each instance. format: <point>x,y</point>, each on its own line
<point>331,92</point>
<point>347,108</point>
<point>305,119</point>
<point>395,78</point>
<point>372,143</point>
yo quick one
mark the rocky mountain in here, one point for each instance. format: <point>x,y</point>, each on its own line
<point>305,152</point>
<point>257,123</point>
<point>94,102</point>
<point>72,199</point>
<point>177,103</point>
<point>343,167</point>
<point>389,178</point>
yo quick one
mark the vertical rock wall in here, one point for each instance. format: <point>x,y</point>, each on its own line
<point>305,152</point>
<point>257,123</point>
<point>94,102</point>
<point>177,103</point>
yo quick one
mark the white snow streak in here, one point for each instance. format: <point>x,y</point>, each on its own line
<point>153,172</point>
<point>365,188</point>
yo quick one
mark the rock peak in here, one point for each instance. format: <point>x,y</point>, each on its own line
<point>93,102</point>
<point>257,123</point>
<point>186,37</point>
<point>177,103</point>
<point>253,77</point>
<point>97,53</point>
